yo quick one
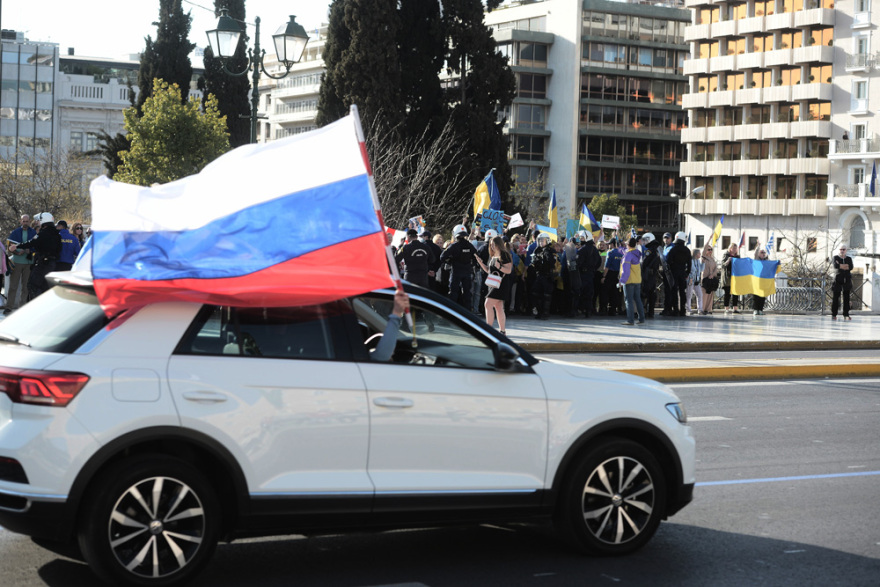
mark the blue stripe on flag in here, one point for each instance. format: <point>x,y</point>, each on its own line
<point>247,241</point>
<point>754,267</point>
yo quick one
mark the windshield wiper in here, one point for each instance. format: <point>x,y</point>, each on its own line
<point>12,339</point>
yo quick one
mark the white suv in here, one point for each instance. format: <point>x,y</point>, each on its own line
<point>148,438</point>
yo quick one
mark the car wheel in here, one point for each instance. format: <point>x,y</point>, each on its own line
<point>149,521</point>
<point>613,501</point>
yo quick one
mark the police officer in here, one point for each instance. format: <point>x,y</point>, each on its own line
<point>433,268</point>
<point>69,248</point>
<point>460,255</point>
<point>678,264</point>
<point>588,263</point>
<point>650,272</point>
<point>544,263</point>
<point>47,248</point>
<point>417,259</point>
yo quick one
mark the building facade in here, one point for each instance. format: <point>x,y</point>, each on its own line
<point>779,127</point>
<point>598,108</point>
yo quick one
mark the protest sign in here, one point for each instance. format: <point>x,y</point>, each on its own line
<point>612,222</point>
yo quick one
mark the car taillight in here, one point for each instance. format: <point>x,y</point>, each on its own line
<point>46,388</point>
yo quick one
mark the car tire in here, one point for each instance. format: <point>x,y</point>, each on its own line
<point>612,502</point>
<point>150,520</point>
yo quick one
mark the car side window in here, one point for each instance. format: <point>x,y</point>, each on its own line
<point>440,339</point>
<point>299,332</point>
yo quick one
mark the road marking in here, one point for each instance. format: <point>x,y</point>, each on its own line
<point>707,418</point>
<point>854,380</point>
<point>793,551</point>
<point>797,478</point>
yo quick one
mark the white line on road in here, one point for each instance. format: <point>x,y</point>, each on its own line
<point>797,478</point>
<point>771,383</point>
<point>707,418</point>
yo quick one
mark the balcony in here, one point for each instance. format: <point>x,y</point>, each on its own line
<point>698,100</point>
<point>719,133</point>
<point>721,98</point>
<point>692,169</point>
<point>726,28</point>
<point>717,206</point>
<point>745,167</point>
<point>771,207</point>
<point>778,22</point>
<point>810,166</point>
<point>853,195</point>
<point>722,168</point>
<point>696,32</point>
<point>859,62</point>
<point>813,54</point>
<point>812,91</point>
<point>776,130</point>
<point>744,207</point>
<point>693,135</point>
<point>814,16</point>
<point>861,20</point>
<point>750,25</point>
<point>777,94</point>
<point>811,207</point>
<point>811,128</point>
<point>89,92</point>
<point>777,57</point>
<point>722,64</point>
<point>747,131</point>
<point>695,66</point>
<point>750,61</point>
<point>774,167</point>
<point>749,96</point>
<point>854,150</point>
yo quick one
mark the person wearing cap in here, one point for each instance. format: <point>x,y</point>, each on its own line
<point>668,294</point>
<point>588,263</point>
<point>650,272</point>
<point>678,262</point>
<point>460,256</point>
<point>544,264</point>
<point>47,248</point>
<point>69,247</point>
<point>416,258</point>
<point>843,265</point>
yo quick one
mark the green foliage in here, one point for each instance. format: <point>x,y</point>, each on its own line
<point>231,91</point>
<point>421,58</point>
<point>109,148</point>
<point>167,57</point>
<point>605,204</point>
<point>171,140</point>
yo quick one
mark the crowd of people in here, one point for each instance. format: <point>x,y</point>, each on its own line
<point>36,248</point>
<point>531,274</point>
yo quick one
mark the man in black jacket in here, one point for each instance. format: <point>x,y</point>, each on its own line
<point>650,272</point>
<point>678,262</point>
<point>588,263</point>
<point>544,262</point>
<point>434,267</point>
<point>417,259</point>
<point>843,265</point>
<point>47,248</point>
<point>460,256</point>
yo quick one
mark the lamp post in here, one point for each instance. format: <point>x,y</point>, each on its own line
<point>290,42</point>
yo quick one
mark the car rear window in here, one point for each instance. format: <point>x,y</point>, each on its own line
<point>58,321</point>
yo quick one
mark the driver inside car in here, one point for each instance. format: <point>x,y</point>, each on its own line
<point>385,348</point>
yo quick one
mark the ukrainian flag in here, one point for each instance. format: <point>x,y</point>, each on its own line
<point>588,221</point>
<point>487,196</point>
<point>717,234</point>
<point>751,276</point>
<point>554,222</point>
<point>549,231</point>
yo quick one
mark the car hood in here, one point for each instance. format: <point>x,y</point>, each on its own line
<point>551,369</point>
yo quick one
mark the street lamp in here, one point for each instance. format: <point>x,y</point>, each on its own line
<point>290,42</point>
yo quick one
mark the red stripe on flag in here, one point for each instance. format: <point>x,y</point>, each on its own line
<point>313,278</point>
<point>366,158</point>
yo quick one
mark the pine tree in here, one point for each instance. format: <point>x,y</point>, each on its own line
<point>167,58</point>
<point>421,46</point>
<point>231,91</point>
<point>330,101</point>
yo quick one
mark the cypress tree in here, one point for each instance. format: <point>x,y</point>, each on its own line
<point>422,47</point>
<point>232,92</point>
<point>167,58</point>
<point>330,103</point>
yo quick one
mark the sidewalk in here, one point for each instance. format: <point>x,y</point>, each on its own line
<point>719,332</point>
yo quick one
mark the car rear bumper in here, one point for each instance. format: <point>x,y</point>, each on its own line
<point>684,496</point>
<point>38,519</point>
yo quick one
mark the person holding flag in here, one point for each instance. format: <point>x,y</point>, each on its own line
<point>588,221</point>
<point>730,301</point>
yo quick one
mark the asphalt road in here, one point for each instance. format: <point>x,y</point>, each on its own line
<point>788,487</point>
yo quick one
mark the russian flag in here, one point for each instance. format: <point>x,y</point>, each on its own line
<point>751,276</point>
<point>291,222</point>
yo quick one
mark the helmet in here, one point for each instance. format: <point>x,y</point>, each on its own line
<point>576,237</point>
<point>490,234</point>
<point>543,237</point>
<point>681,236</point>
<point>647,238</point>
<point>459,230</point>
<point>45,217</point>
<point>667,235</point>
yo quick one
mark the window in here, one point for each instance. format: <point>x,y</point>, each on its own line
<point>857,233</point>
<point>857,174</point>
<point>700,241</point>
<point>725,242</point>
<point>812,244</point>
<point>302,332</point>
<point>529,116</point>
<point>859,132</point>
<point>76,140</point>
<point>532,86</point>
<point>753,243</point>
<point>441,341</point>
<point>529,148</point>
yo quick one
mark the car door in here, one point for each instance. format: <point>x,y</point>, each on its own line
<point>443,419</point>
<point>278,390</point>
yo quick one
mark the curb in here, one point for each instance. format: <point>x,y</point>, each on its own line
<point>703,346</point>
<point>756,373</point>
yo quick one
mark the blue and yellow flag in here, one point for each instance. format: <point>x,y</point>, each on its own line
<point>549,231</point>
<point>751,276</point>
<point>554,222</point>
<point>487,196</point>
<point>588,221</point>
<point>717,234</point>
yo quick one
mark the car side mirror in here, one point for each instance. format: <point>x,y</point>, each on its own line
<point>506,357</point>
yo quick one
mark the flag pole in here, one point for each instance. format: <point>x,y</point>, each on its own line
<point>395,272</point>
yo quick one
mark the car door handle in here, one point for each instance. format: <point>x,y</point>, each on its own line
<point>204,397</point>
<point>393,402</point>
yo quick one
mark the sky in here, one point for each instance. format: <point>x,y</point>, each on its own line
<point>116,28</point>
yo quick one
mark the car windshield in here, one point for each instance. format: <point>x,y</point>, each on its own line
<point>60,320</point>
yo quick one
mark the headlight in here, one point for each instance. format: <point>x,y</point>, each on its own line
<point>678,412</point>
